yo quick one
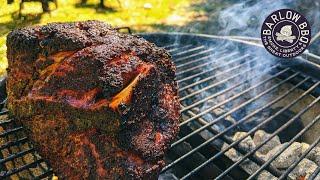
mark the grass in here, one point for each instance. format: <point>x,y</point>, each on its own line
<point>140,15</point>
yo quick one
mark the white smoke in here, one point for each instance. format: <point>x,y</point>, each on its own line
<point>245,18</point>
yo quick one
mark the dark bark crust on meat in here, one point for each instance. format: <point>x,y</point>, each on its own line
<point>104,104</point>
<point>87,154</point>
<point>25,45</point>
<point>153,135</point>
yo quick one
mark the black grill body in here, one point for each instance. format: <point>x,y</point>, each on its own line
<point>225,86</point>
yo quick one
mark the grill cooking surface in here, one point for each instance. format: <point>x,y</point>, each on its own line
<point>225,88</point>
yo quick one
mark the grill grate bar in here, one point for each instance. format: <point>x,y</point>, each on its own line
<point>11,131</point>
<point>169,46</point>
<point>223,72</point>
<point>251,131</point>
<point>45,174</point>
<point>16,142</point>
<point>286,173</point>
<point>227,89</point>
<point>22,168</point>
<point>12,143</point>
<point>242,150</point>
<point>268,139</point>
<point>233,97</point>
<point>26,165</point>
<point>4,101</point>
<point>219,83</point>
<point>4,112</point>
<point>199,73</point>
<point>215,76</point>
<point>196,60</point>
<point>205,64</point>
<point>4,122</point>
<point>15,155</point>
<point>218,134</point>
<point>273,135</point>
<point>179,48</point>
<point>177,60</point>
<point>233,110</point>
<point>195,75</point>
<point>188,51</point>
<point>315,173</point>
<point>291,141</point>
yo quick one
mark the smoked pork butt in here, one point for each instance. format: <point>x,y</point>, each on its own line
<point>96,103</point>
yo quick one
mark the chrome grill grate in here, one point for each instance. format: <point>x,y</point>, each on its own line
<point>18,157</point>
<point>234,61</point>
<point>211,77</point>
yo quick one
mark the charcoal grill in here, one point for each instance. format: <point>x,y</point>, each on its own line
<point>230,72</point>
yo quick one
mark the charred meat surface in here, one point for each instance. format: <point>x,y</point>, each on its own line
<point>96,103</point>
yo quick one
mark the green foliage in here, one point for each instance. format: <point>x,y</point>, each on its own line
<point>137,14</point>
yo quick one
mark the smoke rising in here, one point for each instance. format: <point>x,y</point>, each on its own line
<point>240,19</point>
<point>245,18</point>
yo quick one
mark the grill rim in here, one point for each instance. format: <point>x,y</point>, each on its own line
<point>300,63</point>
<point>297,63</point>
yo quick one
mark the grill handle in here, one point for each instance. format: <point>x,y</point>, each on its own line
<point>124,27</point>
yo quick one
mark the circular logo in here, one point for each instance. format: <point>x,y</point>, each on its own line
<point>285,33</point>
